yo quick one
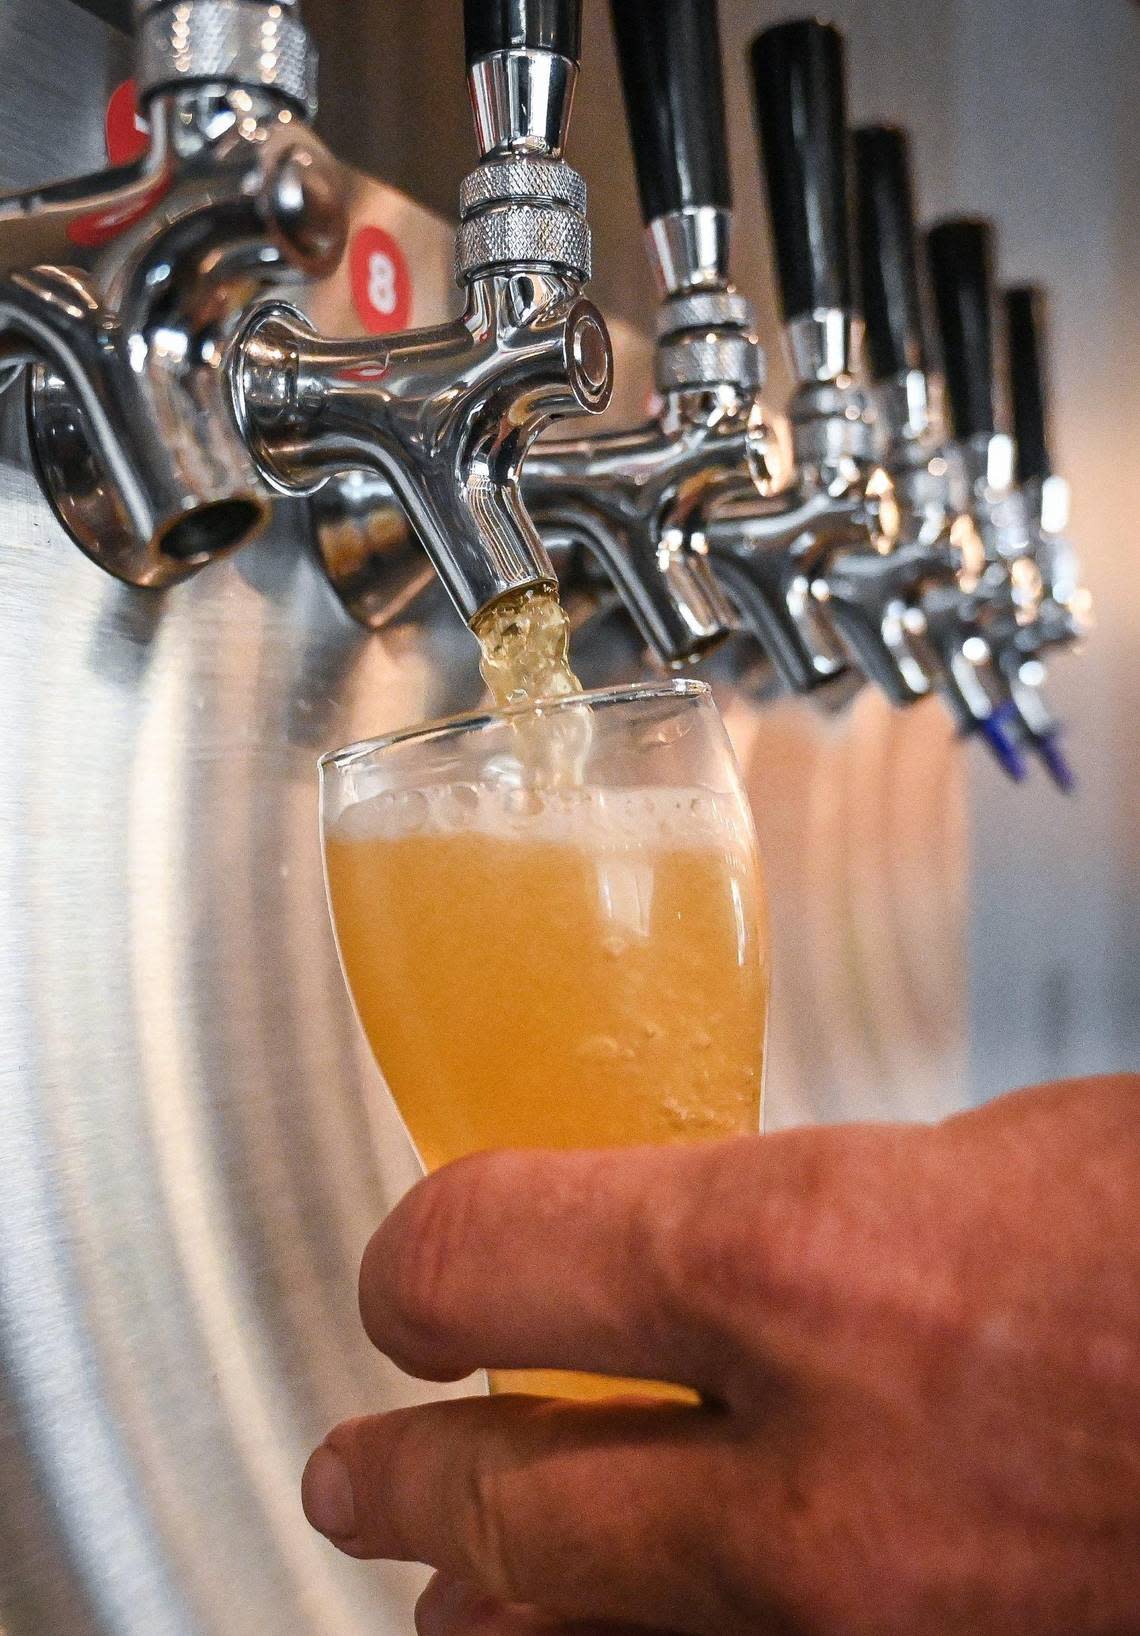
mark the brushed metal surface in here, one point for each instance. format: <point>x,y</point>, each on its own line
<point>193,1143</point>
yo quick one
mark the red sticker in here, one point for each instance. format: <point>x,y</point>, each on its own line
<point>363,373</point>
<point>381,282</point>
<point>128,135</point>
<point>99,227</point>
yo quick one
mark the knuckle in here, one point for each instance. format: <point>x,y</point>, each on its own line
<point>486,1541</point>
<point>409,1279</point>
<point>390,1467</point>
<point>742,1238</point>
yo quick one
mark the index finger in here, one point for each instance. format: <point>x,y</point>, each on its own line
<point>524,1260</point>
<point>450,1608</point>
<point>583,1510</point>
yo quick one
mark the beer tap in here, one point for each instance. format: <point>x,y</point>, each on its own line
<point>999,590</point>
<point>123,290</point>
<point>796,564</point>
<point>893,588</point>
<point>640,500</point>
<point>1064,613</point>
<point>937,555</point>
<point>447,416</point>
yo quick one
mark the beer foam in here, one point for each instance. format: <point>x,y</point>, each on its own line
<point>584,816</point>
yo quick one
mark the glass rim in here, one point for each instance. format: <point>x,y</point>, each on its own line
<point>678,687</point>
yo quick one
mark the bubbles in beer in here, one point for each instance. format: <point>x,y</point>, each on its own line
<point>610,825</point>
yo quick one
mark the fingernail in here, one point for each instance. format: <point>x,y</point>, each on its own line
<point>326,1495</point>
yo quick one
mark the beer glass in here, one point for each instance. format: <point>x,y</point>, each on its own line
<point>564,949</point>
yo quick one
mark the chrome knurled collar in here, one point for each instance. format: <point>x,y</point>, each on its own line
<point>237,42</point>
<point>522,181</point>
<point>830,424</point>
<point>141,7</point>
<point>522,212</point>
<point>705,309</point>
<point>523,236</point>
<point>726,359</point>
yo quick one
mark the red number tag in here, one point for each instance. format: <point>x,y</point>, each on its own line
<point>381,282</point>
<point>128,135</point>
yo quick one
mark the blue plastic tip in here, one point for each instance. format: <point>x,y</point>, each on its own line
<point>1048,747</point>
<point>1006,751</point>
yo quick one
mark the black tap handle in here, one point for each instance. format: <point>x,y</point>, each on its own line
<point>515,25</point>
<point>1025,335</point>
<point>673,79</point>
<point>891,295</point>
<point>801,114</point>
<point>961,275</point>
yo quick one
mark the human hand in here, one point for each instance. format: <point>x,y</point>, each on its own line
<point>918,1350</point>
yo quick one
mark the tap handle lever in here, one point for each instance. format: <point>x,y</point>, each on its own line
<point>1025,330</point>
<point>888,253</point>
<point>961,272</point>
<point>673,81</point>
<point>554,26</point>
<point>799,84</point>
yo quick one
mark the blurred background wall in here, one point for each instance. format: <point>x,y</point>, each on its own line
<point>1023,109</point>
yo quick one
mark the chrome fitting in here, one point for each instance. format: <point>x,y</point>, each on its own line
<point>705,310</point>
<point>520,213</point>
<point>909,410</point>
<point>522,181</point>
<point>143,7</point>
<point>831,425</point>
<point>230,42</point>
<point>985,464</point>
<point>708,338</point>
<point>824,346</point>
<point>709,359</point>
<point>522,100</point>
<point>1050,500</point>
<point>688,249</point>
<point>982,471</point>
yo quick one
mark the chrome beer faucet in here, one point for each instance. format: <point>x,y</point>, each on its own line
<point>446,416</point>
<point>891,590</point>
<point>639,501</point>
<point>796,563</point>
<point>123,290</point>
<point>999,591</point>
<point>1063,614</point>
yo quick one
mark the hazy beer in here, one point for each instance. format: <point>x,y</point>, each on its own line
<point>575,967</point>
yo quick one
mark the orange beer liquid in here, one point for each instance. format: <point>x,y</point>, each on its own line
<point>564,968</point>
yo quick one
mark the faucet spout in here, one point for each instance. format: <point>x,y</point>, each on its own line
<point>446,416</point>
<point>128,402</point>
<point>641,502</point>
<point>442,420</point>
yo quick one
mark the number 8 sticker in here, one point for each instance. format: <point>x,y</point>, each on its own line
<point>381,282</point>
